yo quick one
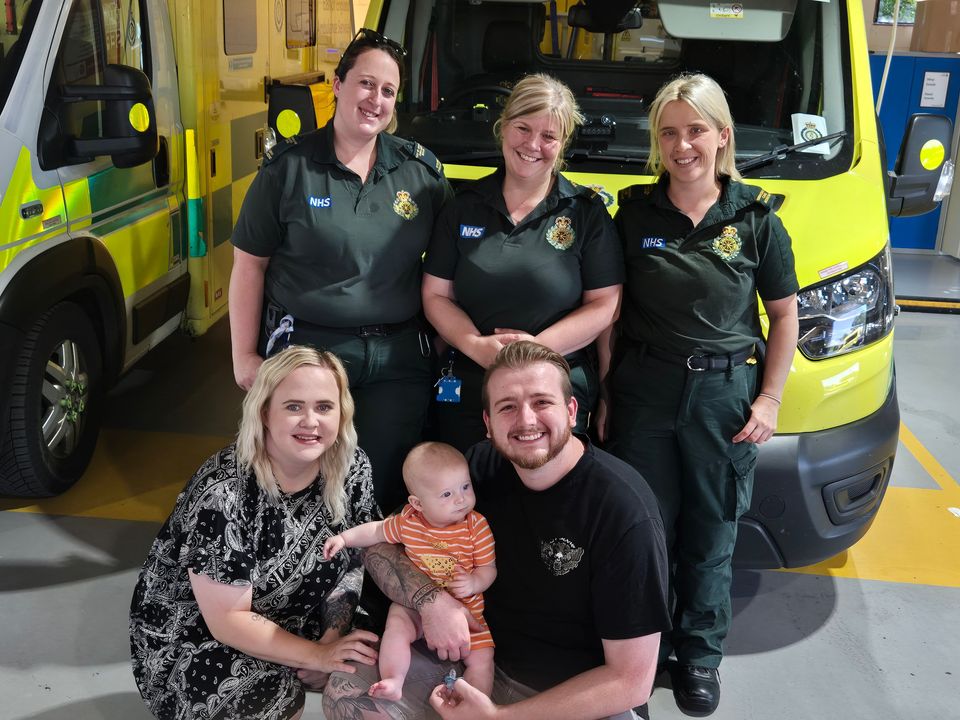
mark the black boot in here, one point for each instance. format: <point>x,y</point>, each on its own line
<point>696,689</point>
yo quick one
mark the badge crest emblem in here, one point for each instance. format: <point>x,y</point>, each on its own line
<point>727,245</point>
<point>404,206</point>
<point>561,235</point>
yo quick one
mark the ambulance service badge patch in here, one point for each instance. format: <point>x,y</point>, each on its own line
<point>727,245</point>
<point>404,206</point>
<point>561,235</point>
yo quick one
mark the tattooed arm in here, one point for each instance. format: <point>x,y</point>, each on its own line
<point>446,622</point>
<point>341,603</point>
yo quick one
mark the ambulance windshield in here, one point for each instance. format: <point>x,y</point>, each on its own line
<point>789,88</point>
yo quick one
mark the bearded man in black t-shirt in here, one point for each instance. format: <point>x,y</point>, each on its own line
<point>580,599</point>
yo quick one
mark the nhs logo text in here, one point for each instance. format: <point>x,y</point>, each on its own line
<point>320,202</point>
<point>652,242</point>
<point>473,232</point>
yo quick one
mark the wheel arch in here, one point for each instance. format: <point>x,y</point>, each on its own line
<point>79,270</point>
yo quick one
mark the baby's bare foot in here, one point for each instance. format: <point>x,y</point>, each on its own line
<point>388,689</point>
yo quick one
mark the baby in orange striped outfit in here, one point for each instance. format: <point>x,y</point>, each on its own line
<point>449,542</point>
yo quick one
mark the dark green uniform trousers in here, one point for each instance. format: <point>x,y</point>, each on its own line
<point>461,424</point>
<point>675,427</point>
<point>390,378</point>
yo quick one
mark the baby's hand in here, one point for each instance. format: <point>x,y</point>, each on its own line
<point>462,584</point>
<point>332,546</point>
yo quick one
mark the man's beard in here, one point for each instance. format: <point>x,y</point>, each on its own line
<point>537,461</point>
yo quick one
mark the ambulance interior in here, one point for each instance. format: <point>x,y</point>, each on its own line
<point>787,57</point>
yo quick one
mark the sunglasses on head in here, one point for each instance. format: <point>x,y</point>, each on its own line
<point>376,39</point>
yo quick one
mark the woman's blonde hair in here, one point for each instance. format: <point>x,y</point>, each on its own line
<point>251,438</point>
<point>706,97</point>
<point>541,93</point>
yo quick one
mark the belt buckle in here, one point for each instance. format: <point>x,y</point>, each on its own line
<point>373,330</point>
<point>691,368</point>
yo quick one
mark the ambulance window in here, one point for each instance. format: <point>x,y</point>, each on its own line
<point>80,62</point>
<point>127,40</point>
<point>239,27</point>
<point>14,35</point>
<point>301,23</point>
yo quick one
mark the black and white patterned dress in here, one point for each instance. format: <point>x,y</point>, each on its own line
<point>223,526</point>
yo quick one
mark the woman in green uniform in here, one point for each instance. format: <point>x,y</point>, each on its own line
<point>688,401</point>
<point>328,251</point>
<point>521,254</point>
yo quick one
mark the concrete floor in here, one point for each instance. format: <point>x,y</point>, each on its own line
<point>926,275</point>
<point>871,634</point>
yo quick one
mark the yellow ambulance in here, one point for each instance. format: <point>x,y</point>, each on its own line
<point>129,132</point>
<point>798,80</point>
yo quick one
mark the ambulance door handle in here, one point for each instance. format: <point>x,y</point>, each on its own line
<point>161,164</point>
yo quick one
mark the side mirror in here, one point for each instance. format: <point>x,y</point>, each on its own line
<point>127,127</point>
<point>923,154</point>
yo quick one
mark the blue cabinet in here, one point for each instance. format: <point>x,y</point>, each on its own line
<point>901,99</point>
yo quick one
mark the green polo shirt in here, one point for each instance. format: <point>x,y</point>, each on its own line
<point>343,253</point>
<point>694,289</point>
<point>526,276</point>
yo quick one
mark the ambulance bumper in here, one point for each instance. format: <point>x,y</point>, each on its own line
<point>815,494</point>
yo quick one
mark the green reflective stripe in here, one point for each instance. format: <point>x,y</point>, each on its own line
<point>114,188</point>
<point>195,215</point>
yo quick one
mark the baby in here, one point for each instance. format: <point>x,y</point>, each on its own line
<point>446,540</point>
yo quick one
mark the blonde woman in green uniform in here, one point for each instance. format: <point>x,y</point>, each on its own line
<point>522,254</point>
<point>688,400</point>
<point>328,251</point>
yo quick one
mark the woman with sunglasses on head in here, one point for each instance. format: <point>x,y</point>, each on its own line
<point>327,252</point>
<point>689,404</point>
<point>522,254</point>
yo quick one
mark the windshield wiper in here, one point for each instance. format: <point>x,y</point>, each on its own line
<point>584,155</point>
<point>473,156</point>
<point>781,151</point>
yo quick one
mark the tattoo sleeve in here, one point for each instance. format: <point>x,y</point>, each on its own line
<point>341,602</point>
<point>398,577</point>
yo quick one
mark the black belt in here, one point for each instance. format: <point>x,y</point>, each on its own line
<point>702,363</point>
<point>378,330</point>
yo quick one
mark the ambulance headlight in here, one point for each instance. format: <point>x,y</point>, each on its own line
<point>847,312</point>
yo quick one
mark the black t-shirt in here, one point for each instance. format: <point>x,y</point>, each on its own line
<point>579,562</point>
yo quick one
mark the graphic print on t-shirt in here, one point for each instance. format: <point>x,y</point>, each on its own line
<point>560,555</point>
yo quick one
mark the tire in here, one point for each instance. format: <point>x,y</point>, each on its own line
<point>55,403</point>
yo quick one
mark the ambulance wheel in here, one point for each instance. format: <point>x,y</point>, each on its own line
<point>55,402</point>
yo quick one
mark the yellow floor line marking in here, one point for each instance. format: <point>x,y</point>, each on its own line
<point>955,305</point>
<point>134,476</point>
<point>936,471</point>
<point>913,539</point>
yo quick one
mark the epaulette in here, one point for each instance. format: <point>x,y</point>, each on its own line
<point>279,149</point>
<point>597,192</point>
<point>634,192</point>
<point>771,201</point>
<point>427,158</point>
